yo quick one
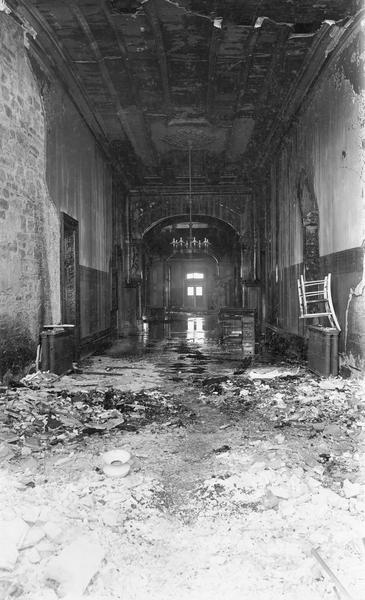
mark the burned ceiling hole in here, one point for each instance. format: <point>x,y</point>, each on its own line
<point>303,28</point>
<point>124,6</point>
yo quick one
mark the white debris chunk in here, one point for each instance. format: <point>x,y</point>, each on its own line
<point>351,490</point>
<point>12,534</point>
<point>52,531</point>
<point>34,535</point>
<point>75,566</point>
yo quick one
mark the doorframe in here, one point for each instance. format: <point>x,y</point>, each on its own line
<point>69,223</point>
<point>196,283</point>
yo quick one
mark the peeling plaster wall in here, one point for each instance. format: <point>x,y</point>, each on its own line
<point>29,226</point>
<point>325,150</point>
<point>80,183</point>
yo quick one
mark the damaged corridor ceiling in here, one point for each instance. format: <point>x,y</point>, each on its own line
<point>156,75</point>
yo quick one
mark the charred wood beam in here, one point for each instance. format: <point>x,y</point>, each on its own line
<point>122,48</point>
<point>131,79</point>
<point>213,52</point>
<point>246,67</point>
<point>152,14</point>
<point>121,112</point>
<point>243,80</point>
<point>275,66</point>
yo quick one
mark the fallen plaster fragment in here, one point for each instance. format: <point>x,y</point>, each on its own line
<point>52,531</point>
<point>12,535</point>
<point>34,535</point>
<point>351,490</point>
<point>260,21</point>
<point>75,566</point>
<point>4,7</point>
<point>217,21</point>
<point>31,513</point>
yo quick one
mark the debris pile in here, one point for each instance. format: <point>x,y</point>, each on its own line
<point>280,398</point>
<point>37,419</point>
<point>279,500</point>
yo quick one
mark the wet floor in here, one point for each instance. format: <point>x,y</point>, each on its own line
<point>186,344</point>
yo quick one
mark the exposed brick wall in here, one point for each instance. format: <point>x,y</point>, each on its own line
<point>29,230</point>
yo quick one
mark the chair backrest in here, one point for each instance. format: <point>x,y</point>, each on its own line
<point>314,292</point>
<point>317,294</point>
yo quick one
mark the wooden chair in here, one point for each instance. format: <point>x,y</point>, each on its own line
<point>315,300</point>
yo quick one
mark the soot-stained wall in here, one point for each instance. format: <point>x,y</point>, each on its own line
<point>29,228</point>
<point>317,191</point>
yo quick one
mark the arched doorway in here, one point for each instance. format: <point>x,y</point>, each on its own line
<point>203,278</point>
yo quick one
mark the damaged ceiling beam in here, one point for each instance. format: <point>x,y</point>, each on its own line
<point>276,65</point>
<point>123,50</point>
<point>151,11</point>
<point>213,55</point>
<point>121,112</point>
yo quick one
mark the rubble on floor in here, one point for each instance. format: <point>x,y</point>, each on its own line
<point>228,488</point>
<point>33,420</point>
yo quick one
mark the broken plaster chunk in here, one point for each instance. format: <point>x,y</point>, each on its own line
<point>351,490</point>
<point>269,500</point>
<point>30,514</point>
<point>52,531</point>
<point>110,517</point>
<point>75,566</point>
<point>12,535</point>
<point>4,7</point>
<point>33,556</point>
<point>34,535</point>
<point>280,491</point>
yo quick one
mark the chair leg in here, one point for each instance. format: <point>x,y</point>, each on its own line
<point>332,318</point>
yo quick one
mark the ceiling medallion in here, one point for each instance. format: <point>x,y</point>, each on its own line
<point>196,133</point>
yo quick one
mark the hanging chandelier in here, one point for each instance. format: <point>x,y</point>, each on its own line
<point>190,244</point>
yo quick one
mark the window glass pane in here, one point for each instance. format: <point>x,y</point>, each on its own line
<point>195,276</point>
<point>190,291</point>
<point>198,290</point>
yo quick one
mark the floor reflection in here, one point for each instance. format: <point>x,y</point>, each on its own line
<point>192,328</point>
<point>195,330</point>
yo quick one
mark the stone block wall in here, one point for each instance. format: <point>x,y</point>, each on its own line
<point>29,227</point>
